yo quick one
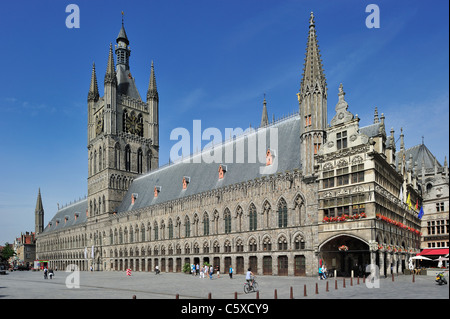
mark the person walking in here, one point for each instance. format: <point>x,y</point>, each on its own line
<point>230,272</point>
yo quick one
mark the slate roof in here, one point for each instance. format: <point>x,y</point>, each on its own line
<point>420,153</point>
<point>204,176</point>
<point>125,83</point>
<point>69,211</point>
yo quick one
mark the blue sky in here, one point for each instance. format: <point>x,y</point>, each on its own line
<point>214,60</point>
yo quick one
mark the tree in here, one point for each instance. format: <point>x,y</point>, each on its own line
<point>6,253</point>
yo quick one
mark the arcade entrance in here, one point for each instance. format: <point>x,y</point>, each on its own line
<point>345,254</point>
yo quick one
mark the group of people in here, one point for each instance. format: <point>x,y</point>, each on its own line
<point>48,273</point>
<point>201,271</point>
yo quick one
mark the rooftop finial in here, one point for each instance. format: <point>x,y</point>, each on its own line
<point>311,19</point>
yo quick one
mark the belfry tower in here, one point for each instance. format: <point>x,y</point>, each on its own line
<point>312,100</point>
<point>122,131</point>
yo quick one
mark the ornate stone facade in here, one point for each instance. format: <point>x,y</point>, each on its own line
<point>335,196</point>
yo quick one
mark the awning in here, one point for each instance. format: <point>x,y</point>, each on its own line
<point>433,252</point>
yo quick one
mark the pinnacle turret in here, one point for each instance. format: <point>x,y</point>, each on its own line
<point>93,94</point>
<point>264,117</point>
<point>110,76</point>
<point>152,92</point>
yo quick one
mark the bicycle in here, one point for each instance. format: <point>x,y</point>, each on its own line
<point>253,287</point>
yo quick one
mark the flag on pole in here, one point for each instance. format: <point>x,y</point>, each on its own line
<point>92,252</point>
<point>421,213</point>
<point>401,194</point>
<point>408,201</point>
<point>417,204</point>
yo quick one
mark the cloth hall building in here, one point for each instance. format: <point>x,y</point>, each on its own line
<point>333,194</point>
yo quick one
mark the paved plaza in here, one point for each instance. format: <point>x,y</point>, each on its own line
<point>144,285</point>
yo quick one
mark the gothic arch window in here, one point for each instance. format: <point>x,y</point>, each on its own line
<point>104,204</point>
<point>239,245</point>
<point>227,218</point>
<point>267,244</point>
<point>282,243</point>
<point>139,160</point>
<point>155,231</point>
<point>149,160</point>
<point>252,245</point>
<point>117,156</point>
<point>253,222</point>
<point>196,248</point>
<point>227,246</point>
<point>205,224</point>
<point>282,213</point>
<point>187,249</point>
<point>216,247</point>
<point>299,242</point>
<point>170,228</point>
<point>187,227</point>
<point>205,247</point>
<point>128,158</point>
<point>95,162</point>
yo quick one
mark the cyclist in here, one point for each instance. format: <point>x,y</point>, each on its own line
<point>249,277</point>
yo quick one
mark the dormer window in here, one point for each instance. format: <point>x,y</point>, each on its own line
<point>157,190</point>
<point>270,154</point>
<point>133,198</point>
<point>76,215</point>
<point>222,170</point>
<point>186,181</point>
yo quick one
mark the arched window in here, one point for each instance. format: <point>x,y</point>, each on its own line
<point>299,242</point>
<point>227,218</point>
<point>282,213</point>
<point>170,229</point>
<point>253,217</point>
<point>187,227</point>
<point>205,224</point>
<point>128,158</point>
<point>252,245</point>
<point>155,231</point>
<point>139,161</point>
<point>117,156</point>
<point>149,161</point>
<point>282,243</point>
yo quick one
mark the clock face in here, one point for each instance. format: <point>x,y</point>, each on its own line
<point>133,125</point>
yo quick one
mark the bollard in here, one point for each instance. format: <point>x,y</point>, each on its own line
<point>275,294</point>
<point>317,288</point>
<point>209,296</point>
<point>344,283</point>
<point>291,294</point>
<point>392,277</point>
<point>304,292</point>
<point>177,296</point>
<point>134,296</point>
<point>335,284</point>
<point>351,281</point>
<point>414,277</point>
<point>257,294</point>
<point>364,279</point>
<point>235,295</point>
<point>327,287</point>
<point>357,282</point>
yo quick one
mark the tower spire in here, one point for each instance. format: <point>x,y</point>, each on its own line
<point>313,74</point>
<point>93,94</point>
<point>312,99</point>
<point>264,117</point>
<point>39,214</point>
<point>152,92</point>
<point>110,76</point>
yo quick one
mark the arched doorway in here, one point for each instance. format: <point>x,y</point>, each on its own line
<point>345,254</point>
